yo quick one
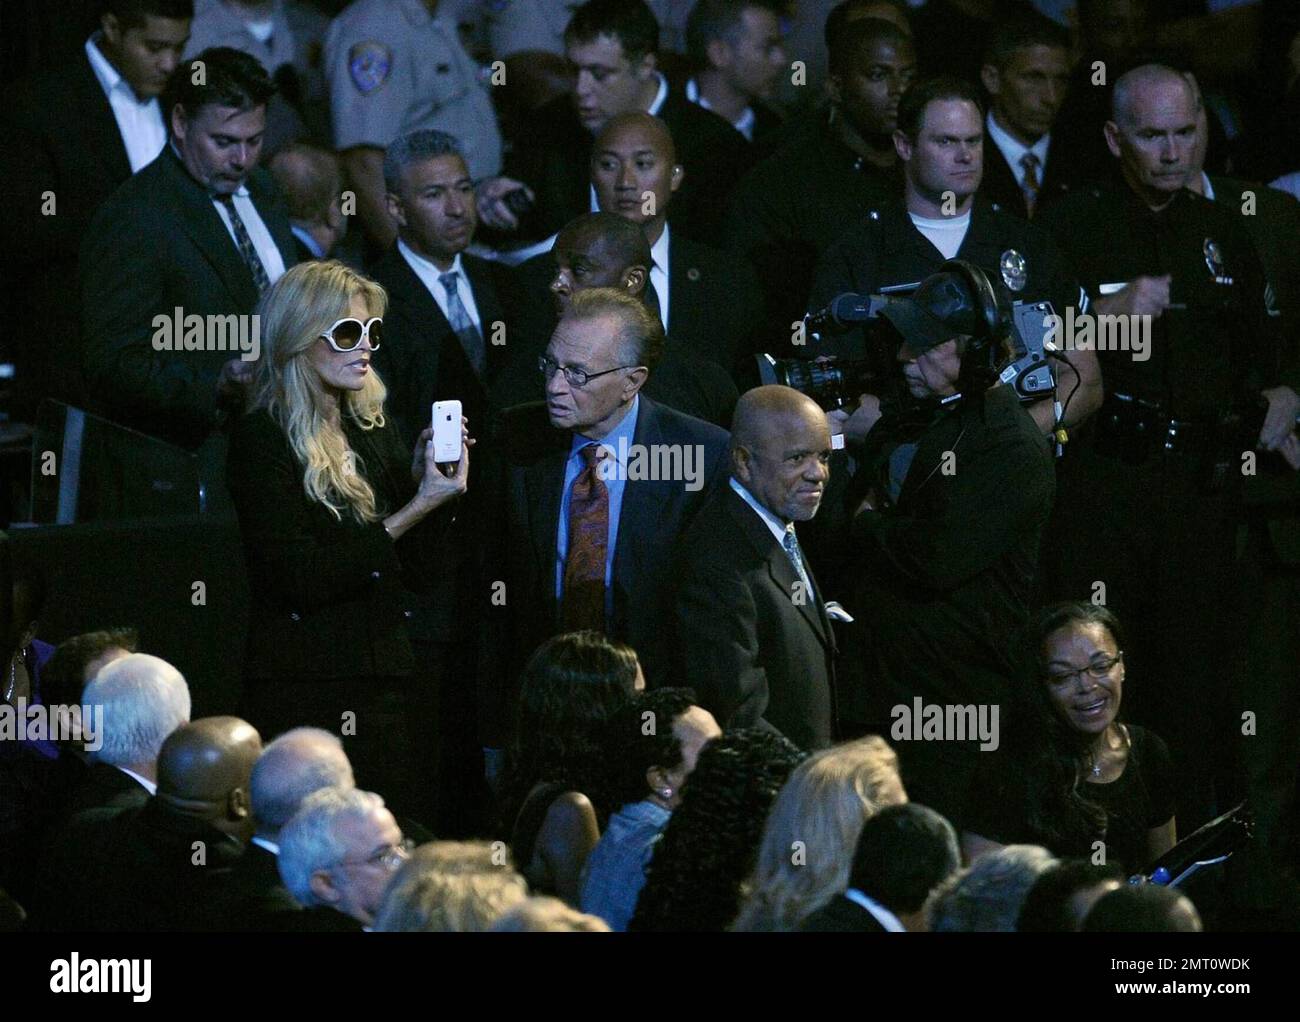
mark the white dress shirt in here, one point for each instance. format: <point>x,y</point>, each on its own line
<point>659,273</point>
<point>774,524</point>
<point>429,274</point>
<point>150,786</point>
<point>1013,151</point>
<point>140,123</point>
<point>743,124</point>
<point>267,251</point>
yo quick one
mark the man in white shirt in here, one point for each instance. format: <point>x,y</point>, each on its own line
<point>82,128</point>
<point>739,59</point>
<point>1027,74</point>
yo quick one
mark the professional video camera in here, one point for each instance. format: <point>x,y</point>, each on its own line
<point>1009,343</point>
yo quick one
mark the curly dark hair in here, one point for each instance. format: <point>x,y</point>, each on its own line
<point>693,883</point>
<point>632,751</point>
<point>1054,757</point>
<point>570,690</point>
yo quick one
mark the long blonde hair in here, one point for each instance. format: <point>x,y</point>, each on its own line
<point>812,831</point>
<point>294,312</point>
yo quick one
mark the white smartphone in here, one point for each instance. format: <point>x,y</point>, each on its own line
<point>446,432</point>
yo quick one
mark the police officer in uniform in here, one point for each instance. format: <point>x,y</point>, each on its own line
<point>396,66</point>
<point>1147,508</point>
<point>940,139</point>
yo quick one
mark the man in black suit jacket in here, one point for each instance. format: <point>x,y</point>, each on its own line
<point>709,300</point>
<point>1027,74</point>
<point>201,230</point>
<point>165,866</point>
<point>604,250</point>
<point>613,46</point>
<point>82,128</point>
<point>602,463</point>
<point>753,638</point>
<point>903,853</point>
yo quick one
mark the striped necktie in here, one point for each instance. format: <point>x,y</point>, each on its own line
<point>246,248</point>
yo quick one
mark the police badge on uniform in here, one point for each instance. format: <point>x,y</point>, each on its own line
<point>370,64</point>
<point>1015,271</point>
<point>1214,260</point>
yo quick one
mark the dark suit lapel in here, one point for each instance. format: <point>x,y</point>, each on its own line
<point>490,311</point>
<point>99,129</point>
<point>999,184</point>
<point>642,499</point>
<point>202,223</point>
<point>277,223</point>
<point>779,566</point>
<point>544,488</point>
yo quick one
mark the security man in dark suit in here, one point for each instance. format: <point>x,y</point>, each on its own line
<point>709,300</point>
<point>946,540</point>
<point>603,250</point>
<point>844,164</point>
<point>446,339</point>
<point>83,127</point>
<point>1148,504</point>
<point>1027,76</point>
<point>940,139</point>
<point>199,230</point>
<point>612,47</point>
<point>752,633</point>
<point>600,483</point>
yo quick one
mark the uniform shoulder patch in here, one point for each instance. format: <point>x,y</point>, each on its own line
<point>369,64</point>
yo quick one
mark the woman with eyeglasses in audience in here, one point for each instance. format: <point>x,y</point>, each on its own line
<point>339,525</point>
<point>1072,773</point>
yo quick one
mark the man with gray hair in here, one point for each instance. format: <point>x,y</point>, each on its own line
<point>337,854</point>
<point>446,337</point>
<point>295,766</point>
<point>1148,501</point>
<point>144,700</point>
<point>986,896</point>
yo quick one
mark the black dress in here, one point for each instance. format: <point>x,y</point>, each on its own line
<point>331,602</point>
<point>1142,797</point>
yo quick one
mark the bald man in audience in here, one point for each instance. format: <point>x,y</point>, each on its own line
<point>311,180</point>
<point>754,639</point>
<point>165,866</point>
<point>709,300</point>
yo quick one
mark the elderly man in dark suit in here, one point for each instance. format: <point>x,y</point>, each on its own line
<point>83,127</point>
<point>200,230</point>
<point>612,46</point>
<point>600,482</point>
<point>753,636</point>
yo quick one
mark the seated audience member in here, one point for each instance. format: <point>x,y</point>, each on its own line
<point>144,700</point>
<point>165,866</point>
<point>986,896</point>
<point>1143,908</point>
<point>736,49</point>
<point>295,765</point>
<point>904,853</point>
<point>450,887</point>
<point>208,235</point>
<point>547,915</point>
<point>557,794</point>
<point>813,827</point>
<point>709,300</point>
<point>652,769</point>
<point>77,660</point>
<point>337,855</point>
<point>604,250</point>
<point>21,678</point>
<point>1071,774</point>
<point>1063,895</point>
<point>311,181</point>
<point>696,877</point>
<point>338,526</point>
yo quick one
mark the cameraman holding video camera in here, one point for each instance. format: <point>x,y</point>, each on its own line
<point>947,519</point>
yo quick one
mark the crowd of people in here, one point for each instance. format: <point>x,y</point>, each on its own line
<point>726,605</point>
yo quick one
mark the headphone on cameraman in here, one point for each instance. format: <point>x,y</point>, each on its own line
<point>992,306</point>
